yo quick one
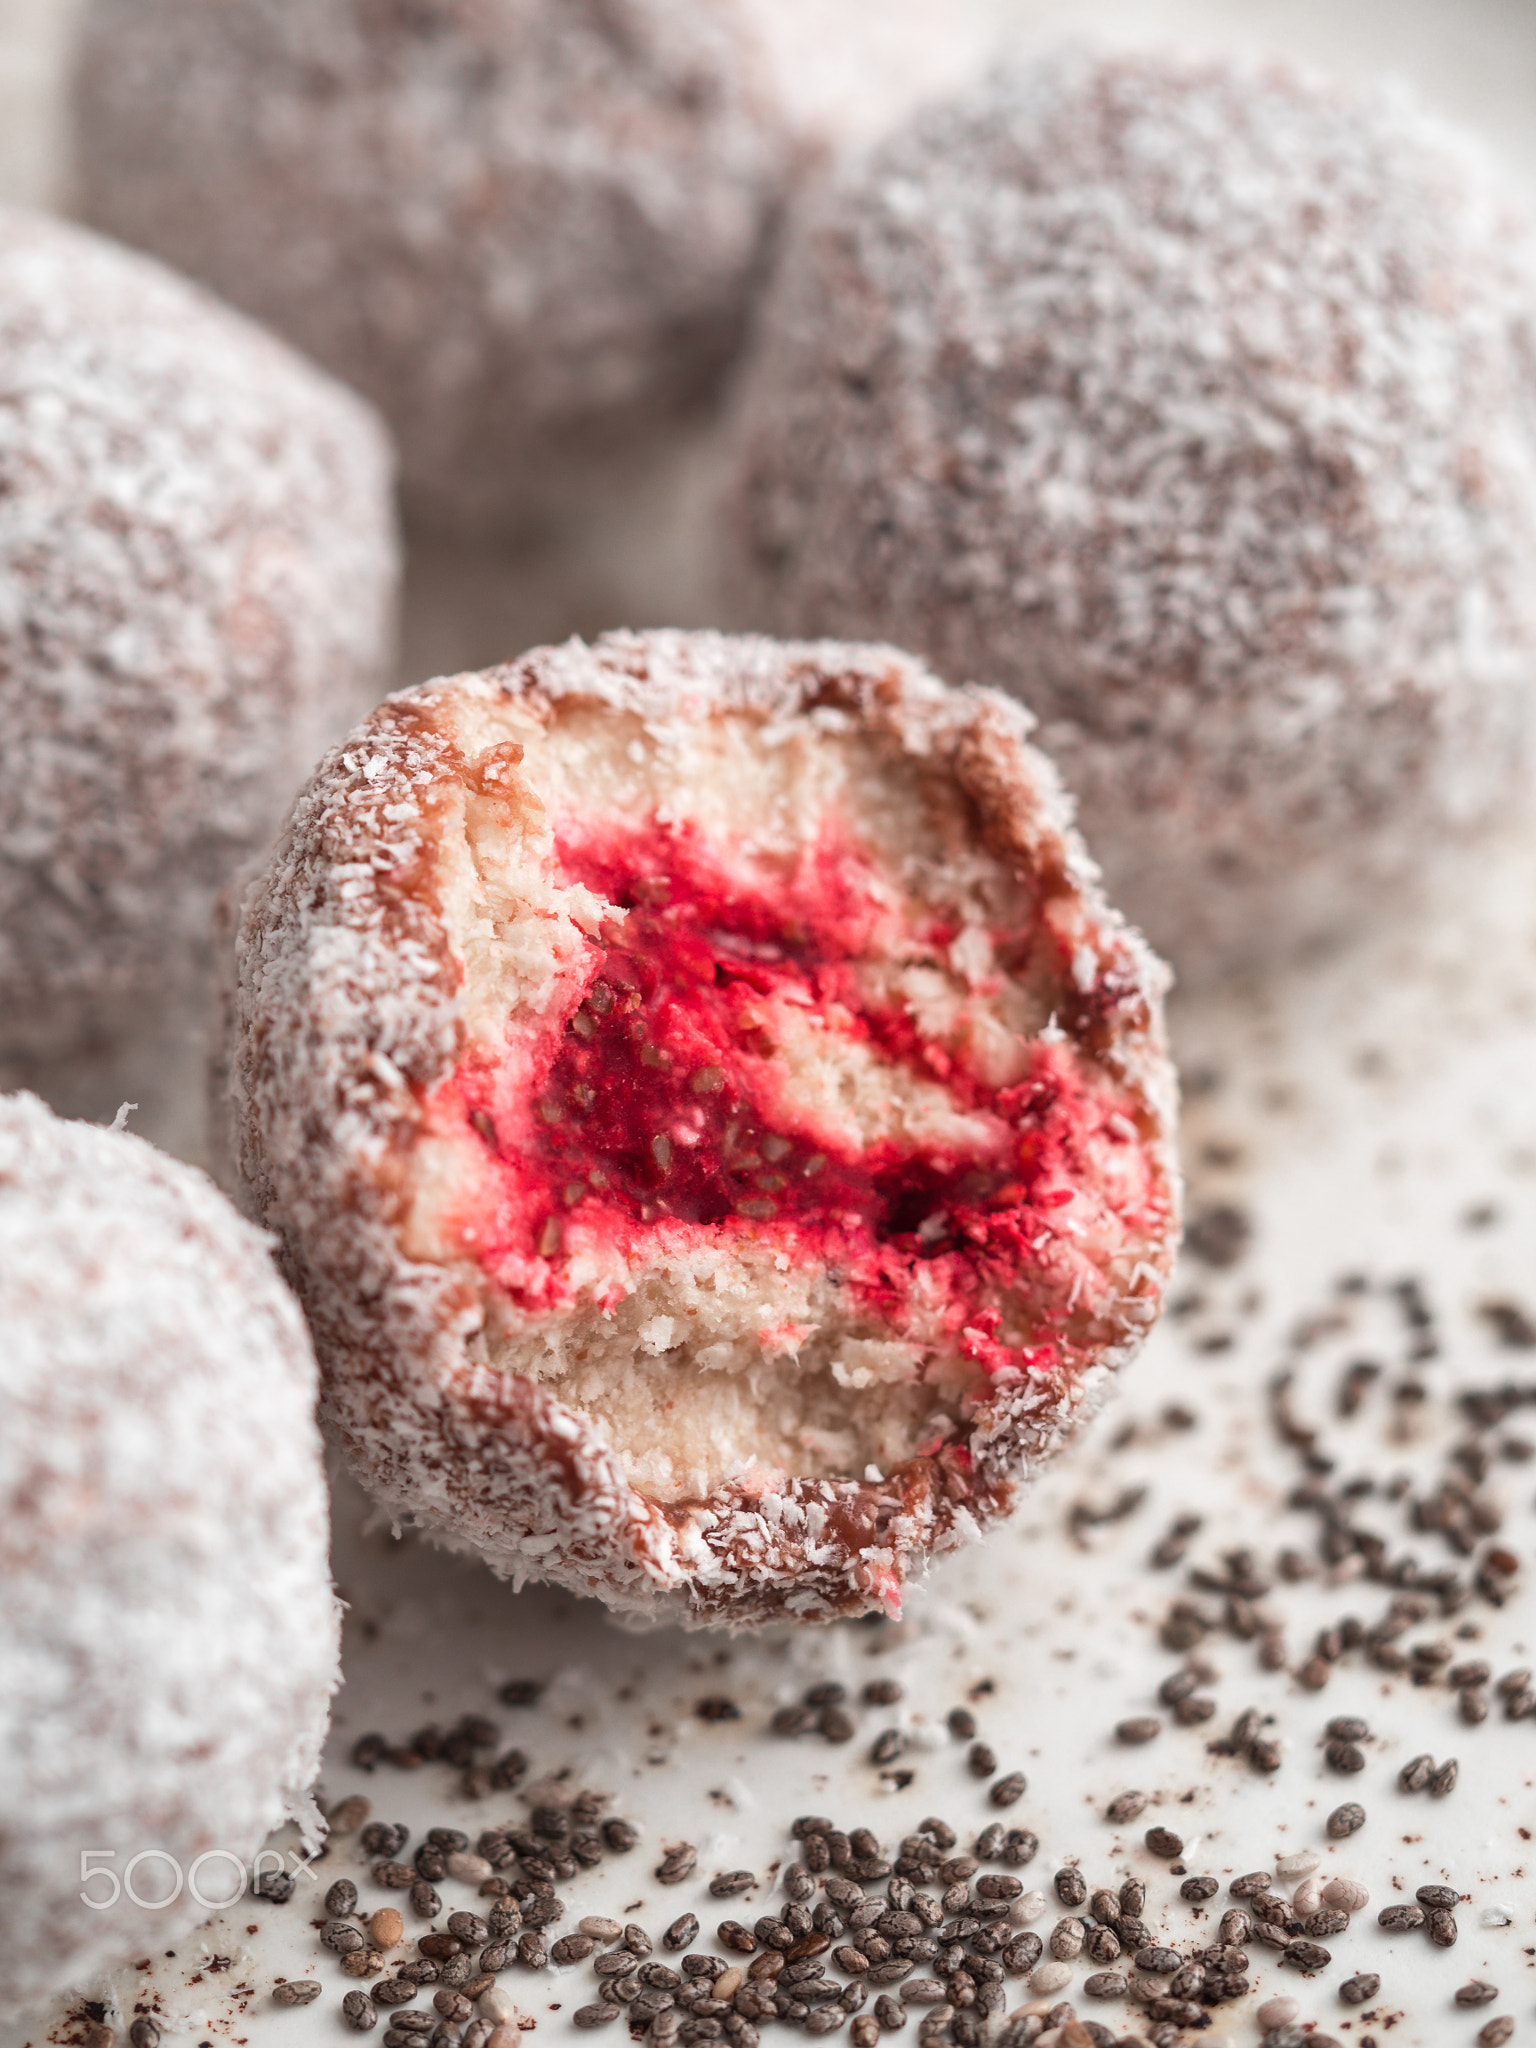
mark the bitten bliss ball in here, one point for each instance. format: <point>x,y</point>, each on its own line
<point>531,232</point>
<point>168,1634</point>
<point>197,587</point>
<point>720,1135</point>
<point>1196,404</point>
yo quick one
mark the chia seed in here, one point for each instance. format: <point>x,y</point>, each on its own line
<point>1359,1990</point>
<point>1345,1820</point>
<point>1416,1774</point>
<point>1007,1791</point>
<point>1398,1919</point>
<point>359,2011</point>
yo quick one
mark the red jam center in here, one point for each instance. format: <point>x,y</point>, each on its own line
<point>656,1099</point>
<point>660,1105</point>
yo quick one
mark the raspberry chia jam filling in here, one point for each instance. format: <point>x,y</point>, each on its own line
<point>663,1107</point>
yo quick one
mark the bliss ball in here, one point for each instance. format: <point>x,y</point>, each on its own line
<point>529,230</point>
<point>197,591</point>
<point>168,1632</point>
<point>1194,403</point>
<point>720,1134</point>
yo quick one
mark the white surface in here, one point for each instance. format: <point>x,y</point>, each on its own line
<point>1367,1106</point>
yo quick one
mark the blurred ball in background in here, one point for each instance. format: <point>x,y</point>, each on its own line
<point>529,230</point>
<point>1195,403</point>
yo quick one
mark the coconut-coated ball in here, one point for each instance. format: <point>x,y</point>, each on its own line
<point>1195,403</point>
<point>197,589</point>
<point>529,230</point>
<point>720,1134</point>
<point>168,1629</point>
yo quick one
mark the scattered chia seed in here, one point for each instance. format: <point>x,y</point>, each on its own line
<point>1008,1790</point>
<point>359,2011</point>
<point>1143,1728</point>
<point>1197,1889</point>
<point>1416,1774</point>
<point>521,1692</point>
<point>677,1864</point>
<point>1398,1919</point>
<point>1496,2032</point>
<point>1359,1990</point>
<point>1344,1820</point>
<point>1127,1807</point>
<point>145,2032</point>
<point>1106,1984</point>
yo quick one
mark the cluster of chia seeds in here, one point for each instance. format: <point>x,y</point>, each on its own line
<point>937,1933</point>
<point>827,1710</point>
<point>866,1938</point>
<point>1238,1594</point>
<point>1234,1595</point>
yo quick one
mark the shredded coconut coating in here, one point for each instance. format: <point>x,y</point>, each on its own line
<point>197,589</point>
<point>1194,402</point>
<point>169,1638</point>
<point>350,1009</point>
<point>531,232</point>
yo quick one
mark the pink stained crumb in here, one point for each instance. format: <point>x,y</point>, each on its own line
<point>656,1116</point>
